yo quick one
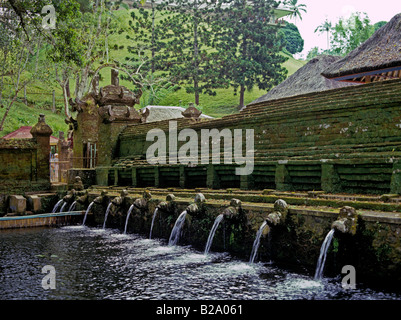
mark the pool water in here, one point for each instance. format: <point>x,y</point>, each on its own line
<point>94,264</point>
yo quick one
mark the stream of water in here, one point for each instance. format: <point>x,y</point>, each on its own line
<point>212,233</point>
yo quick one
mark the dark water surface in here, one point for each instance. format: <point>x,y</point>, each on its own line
<point>104,264</point>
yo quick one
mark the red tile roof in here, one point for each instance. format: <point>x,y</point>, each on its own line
<point>25,133</point>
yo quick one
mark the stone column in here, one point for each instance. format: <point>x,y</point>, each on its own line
<point>396,178</point>
<point>282,178</point>
<point>331,182</point>
<point>183,177</point>
<point>41,132</point>
<point>212,181</point>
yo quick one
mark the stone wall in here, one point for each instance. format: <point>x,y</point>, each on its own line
<point>25,164</point>
<point>343,140</point>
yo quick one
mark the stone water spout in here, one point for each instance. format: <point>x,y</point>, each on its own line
<point>279,214</point>
<point>275,218</point>
<point>70,197</point>
<point>233,210</point>
<point>84,199</point>
<point>142,203</point>
<point>139,205</point>
<point>103,199</point>
<point>347,221</point>
<point>122,199</point>
<point>197,207</point>
<point>167,205</point>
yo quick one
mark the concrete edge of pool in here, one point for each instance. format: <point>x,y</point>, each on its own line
<point>39,220</point>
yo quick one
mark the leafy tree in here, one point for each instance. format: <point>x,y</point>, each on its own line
<point>378,25</point>
<point>17,53</point>
<point>249,47</point>
<point>297,8</point>
<point>294,42</point>
<point>187,54</point>
<point>326,26</point>
<point>315,51</point>
<point>81,43</point>
<point>147,35</point>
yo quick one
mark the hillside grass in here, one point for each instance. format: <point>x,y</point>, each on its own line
<point>22,115</point>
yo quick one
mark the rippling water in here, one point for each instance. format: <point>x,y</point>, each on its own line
<point>105,264</point>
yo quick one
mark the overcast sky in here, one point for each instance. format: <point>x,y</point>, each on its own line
<point>319,10</point>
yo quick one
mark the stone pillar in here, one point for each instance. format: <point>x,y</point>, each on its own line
<point>157,177</point>
<point>115,80</point>
<point>282,178</point>
<point>134,177</point>
<point>331,182</point>
<point>212,181</point>
<point>64,157</point>
<point>395,186</point>
<point>183,177</point>
<point>17,205</point>
<point>116,176</point>
<point>41,132</point>
<point>246,182</point>
<point>102,176</point>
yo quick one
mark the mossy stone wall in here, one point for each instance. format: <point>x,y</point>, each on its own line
<point>343,140</point>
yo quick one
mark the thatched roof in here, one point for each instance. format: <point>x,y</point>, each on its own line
<point>25,133</point>
<point>381,51</point>
<point>160,113</point>
<point>305,80</point>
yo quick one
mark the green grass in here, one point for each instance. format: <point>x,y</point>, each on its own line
<point>22,115</point>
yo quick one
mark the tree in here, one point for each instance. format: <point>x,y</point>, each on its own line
<point>22,38</point>
<point>16,53</point>
<point>293,40</point>
<point>379,24</point>
<point>187,54</point>
<point>313,53</point>
<point>297,8</point>
<point>80,43</point>
<point>22,15</point>
<point>326,26</point>
<point>146,35</point>
<point>248,47</point>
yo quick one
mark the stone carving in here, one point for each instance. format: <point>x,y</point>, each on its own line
<point>347,221</point>
<point>191,112</point>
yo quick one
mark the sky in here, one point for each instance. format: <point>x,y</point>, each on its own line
<point>319,10</point>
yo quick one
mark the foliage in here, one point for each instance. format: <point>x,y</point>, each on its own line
<point>315,51</point>
<point>346,34</point>
<point>326,26</point>
<point>296,7</point>
<point>294,42</point>
<point>248,46</point>
<point>187,54</point>
<point>349,33</point>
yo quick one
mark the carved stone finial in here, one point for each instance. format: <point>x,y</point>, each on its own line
<point>41,128</point>
<point>115,81</point>
<point>191,112</point>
